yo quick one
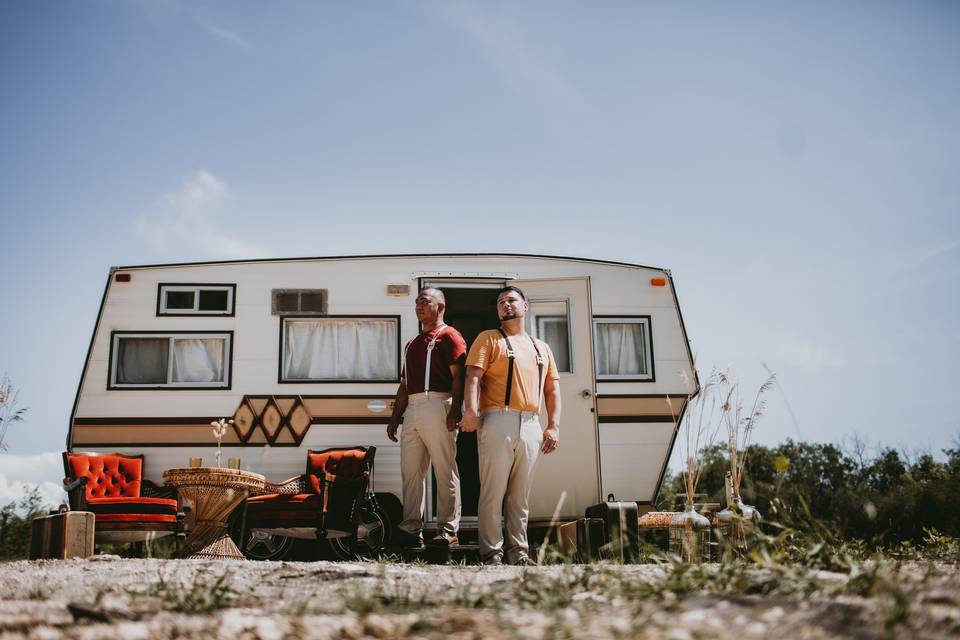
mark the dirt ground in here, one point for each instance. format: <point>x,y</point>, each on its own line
<point>109,597</point>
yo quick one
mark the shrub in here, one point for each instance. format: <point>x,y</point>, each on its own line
<point>15,524</point>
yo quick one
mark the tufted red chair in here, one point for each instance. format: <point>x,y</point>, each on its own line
<point>317,502</point>
<point>127,507</point>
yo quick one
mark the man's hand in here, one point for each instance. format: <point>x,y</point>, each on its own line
<point>470,422</point>
<point>551,439</point>
<point>392,431</point>
<point>453,418</point>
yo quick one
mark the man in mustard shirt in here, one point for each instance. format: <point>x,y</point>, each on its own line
<point>508,371</point>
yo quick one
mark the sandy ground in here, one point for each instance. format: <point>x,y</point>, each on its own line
<point>108,597</point>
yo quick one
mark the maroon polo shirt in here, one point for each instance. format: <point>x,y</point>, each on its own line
<point>450,349</point>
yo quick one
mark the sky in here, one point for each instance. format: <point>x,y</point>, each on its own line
<point>792,164</point>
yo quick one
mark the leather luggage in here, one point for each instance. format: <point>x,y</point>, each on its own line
<point>61,535</point>
<point>591,535</point>
<point>621,529</point>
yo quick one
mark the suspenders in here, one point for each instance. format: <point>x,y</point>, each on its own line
<point>510,367</point>
<point>430,347</point>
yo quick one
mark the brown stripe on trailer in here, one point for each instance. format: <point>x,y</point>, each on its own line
<point>130,433</point>
<point>258,420</point>
<point>640,408</point>
<point>192,435</point>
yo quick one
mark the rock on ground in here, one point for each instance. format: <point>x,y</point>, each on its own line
<point>107,597</point>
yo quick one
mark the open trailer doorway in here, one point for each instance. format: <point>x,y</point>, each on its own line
<point>471,308</point>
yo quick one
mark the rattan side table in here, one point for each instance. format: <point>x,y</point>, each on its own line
<point>213,493</point>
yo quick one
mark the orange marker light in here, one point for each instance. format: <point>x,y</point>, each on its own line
<point>658,282</point>
<point>122,277</point>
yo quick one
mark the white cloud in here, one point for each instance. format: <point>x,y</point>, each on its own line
<point>21,472</point>
<point>920,266</point>
<point>185,222</point>
<point>225,34</point>
<point>506,48</point>
<point>804,355</point>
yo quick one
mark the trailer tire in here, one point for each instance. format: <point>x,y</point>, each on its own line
<point>266,546</point>
<point>374,530</point>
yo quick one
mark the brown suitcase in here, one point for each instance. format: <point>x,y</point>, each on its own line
<point>66,534</point>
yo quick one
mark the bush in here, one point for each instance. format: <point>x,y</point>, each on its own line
<point>15,524</point>
<point>884,500</point>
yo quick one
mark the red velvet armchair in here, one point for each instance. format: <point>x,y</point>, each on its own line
<point>126,506</point>
<point>329,501</point>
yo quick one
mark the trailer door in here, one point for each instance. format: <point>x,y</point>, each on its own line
<point>560,314</point>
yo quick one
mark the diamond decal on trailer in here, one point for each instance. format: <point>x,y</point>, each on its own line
<point>271,420</point>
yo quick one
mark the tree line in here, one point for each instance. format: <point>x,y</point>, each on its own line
<point>884,499</point>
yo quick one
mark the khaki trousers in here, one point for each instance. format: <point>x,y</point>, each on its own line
<point>425,440</point>
<point>509,445</point>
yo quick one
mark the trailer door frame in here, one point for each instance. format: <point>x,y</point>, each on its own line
<point>573,471</point>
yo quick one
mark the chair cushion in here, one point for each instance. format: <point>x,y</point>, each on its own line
<point>284,510</point>
<point>134,518</point>
<point>108,475</point>
<point>348,464</point>
<point>133,510</point>
<point>132,505</point>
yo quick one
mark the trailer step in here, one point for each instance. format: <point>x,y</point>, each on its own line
<point>468,553</point>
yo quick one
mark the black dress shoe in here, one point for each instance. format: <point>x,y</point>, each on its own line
<point>407,540</point>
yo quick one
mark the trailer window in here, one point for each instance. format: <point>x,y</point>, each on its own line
<point>196,299</point>
<point>623,348</point>
<point>298,301</point>
<point>149,360</point>
<point>550,322</point>
<point>340,349</point>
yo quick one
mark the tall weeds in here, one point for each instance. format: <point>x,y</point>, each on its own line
<point>699,427</point>
<point>9,412</point>
<point>740,423</point>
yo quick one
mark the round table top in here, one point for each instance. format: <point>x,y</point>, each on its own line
<point>213,477</point>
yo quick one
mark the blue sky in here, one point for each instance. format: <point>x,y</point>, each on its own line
<point>794,164</point>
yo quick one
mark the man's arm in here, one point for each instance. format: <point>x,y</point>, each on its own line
<point>399,406</point>
<point>551,435</point>
<point>471,400</point>
<point>456,405</point>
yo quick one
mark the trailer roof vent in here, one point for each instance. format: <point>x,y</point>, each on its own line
<point>299,301</point>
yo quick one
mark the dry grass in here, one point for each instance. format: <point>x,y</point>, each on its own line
<point>9,412</point>
<point>740,423</point>
<point>699,427</point>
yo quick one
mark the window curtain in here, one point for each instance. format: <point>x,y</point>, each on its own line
<point>620,349</point>
<point>198,359</point>
<point>142,360</point>
<point>340,349</point>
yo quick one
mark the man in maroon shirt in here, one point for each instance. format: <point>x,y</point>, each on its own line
<point>429,402</point>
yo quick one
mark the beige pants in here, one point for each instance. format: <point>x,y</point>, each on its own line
<point>425,440</point>
<point>509,444</point>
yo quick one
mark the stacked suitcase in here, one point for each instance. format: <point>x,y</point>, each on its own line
<point>617,525</point>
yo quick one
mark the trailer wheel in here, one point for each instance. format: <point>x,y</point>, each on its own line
<point>260,545</point>
<point>373,533</point>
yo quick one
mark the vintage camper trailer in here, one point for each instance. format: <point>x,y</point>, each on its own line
<point>305,354</point>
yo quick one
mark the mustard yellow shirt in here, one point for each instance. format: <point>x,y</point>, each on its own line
<point>489,352</point>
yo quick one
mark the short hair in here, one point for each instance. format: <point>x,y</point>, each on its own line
<point>510,288</point>
<point>436,294</point>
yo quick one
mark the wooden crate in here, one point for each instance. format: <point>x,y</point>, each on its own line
<point>67,534</point>
<point>567,538</point>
